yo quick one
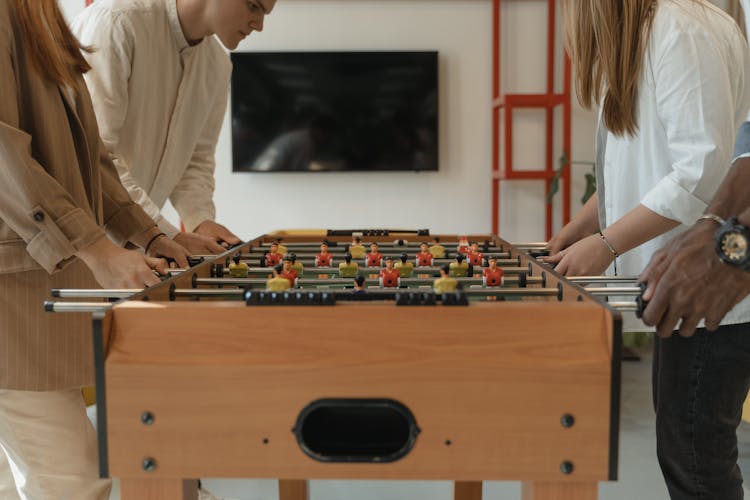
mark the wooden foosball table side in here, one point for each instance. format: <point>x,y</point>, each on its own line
<point>493,391</point>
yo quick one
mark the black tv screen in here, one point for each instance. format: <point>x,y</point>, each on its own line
<point>334,111</point>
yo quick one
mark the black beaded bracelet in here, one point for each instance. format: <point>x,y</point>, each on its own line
<point>151,241</point>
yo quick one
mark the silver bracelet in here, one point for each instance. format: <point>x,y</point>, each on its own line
<point>712,217</point>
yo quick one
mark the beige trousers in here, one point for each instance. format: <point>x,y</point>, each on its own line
<point>48,448</point>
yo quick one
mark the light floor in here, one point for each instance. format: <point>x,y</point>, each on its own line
<point>639,475</point>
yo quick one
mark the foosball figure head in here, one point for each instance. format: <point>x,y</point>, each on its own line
<point>492,261</point>
<point>324,247</point>
<point>423,247</point>
<point>389,263</point>
<point>348,258</point>
<point>374,247</point>
<point>236,258</point>
<point>277,270</point>
<point>404,257</point>
<point>445,270</point>
<point>474,247</point>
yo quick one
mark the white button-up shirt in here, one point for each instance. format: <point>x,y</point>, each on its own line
<point>693,95</point>
<point>160,103</point>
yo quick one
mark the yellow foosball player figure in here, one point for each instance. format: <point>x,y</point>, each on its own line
<point>389,277</point>
<point>297,266</point>
<point>445,283</point>
<point>493,275</point>
<point>357,249</point>
<point>277,283</point>
<point>348,269</point>
<point>459,268</point>
<point>282,249</point>
<point>404,267</point>
<point>288,272</point>
<point>238,269</point>
<point>436,249</point>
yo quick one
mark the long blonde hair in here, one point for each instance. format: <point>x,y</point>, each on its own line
<point>606,40</point>
<point>55,53</point>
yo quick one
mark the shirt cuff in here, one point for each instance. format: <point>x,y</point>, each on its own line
<point>127,222</point>
<point>669,199</point>
<point>58,241</point>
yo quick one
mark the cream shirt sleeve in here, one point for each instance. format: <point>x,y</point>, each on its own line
<point>193,195</point>
<point>695,101</point>
<point>112,38</point>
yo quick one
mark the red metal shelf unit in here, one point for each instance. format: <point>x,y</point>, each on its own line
<point>548,102</point>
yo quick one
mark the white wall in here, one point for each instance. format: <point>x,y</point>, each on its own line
<point>458,197</point>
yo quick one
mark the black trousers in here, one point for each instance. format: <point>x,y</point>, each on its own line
<point>699,387</point>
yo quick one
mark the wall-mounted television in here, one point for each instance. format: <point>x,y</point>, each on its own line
<point>334,111</point>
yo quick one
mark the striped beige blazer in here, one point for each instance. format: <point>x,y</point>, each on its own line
<point>59,192</point>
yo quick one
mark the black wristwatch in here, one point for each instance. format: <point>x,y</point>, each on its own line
<point>733,244</point>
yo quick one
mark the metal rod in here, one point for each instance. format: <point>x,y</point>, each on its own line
<point>76,307</point>
<point>602,279</point>
<point>529,245</point>
<point>69,293</point>
<point>622,290</point>
<point>623,306</point>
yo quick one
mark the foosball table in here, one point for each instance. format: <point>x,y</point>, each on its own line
<point>209,374</point>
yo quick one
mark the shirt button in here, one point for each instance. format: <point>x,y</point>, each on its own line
<point>38,216</point>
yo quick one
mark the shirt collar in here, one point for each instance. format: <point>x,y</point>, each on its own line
<point>174,24</point>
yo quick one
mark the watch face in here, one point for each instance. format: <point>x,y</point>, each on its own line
<point>734,247</point>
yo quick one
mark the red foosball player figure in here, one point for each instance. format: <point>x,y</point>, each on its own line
<point>273,256</point>
<point>324,258</point>
<point>374,258</point>
<point>389,277</point>
<point>463,245</point>
<point>459,268</point>
<point>424,257</point>
<point>288,271</point>
<point>277,283</point>
<point>297,266</point>
<point>348,269</point>
<point>238,269</point>
<point>493,275</point>
<point>404,267</point>
<point>474,256</point>
<point>436,249</point>
<point>445,283</point>
<point>357,249</point>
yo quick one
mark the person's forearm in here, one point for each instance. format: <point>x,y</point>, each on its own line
<point>145,237</point>
<point>586,222</point>
<point>733,195</point>
<point>637,227</point>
